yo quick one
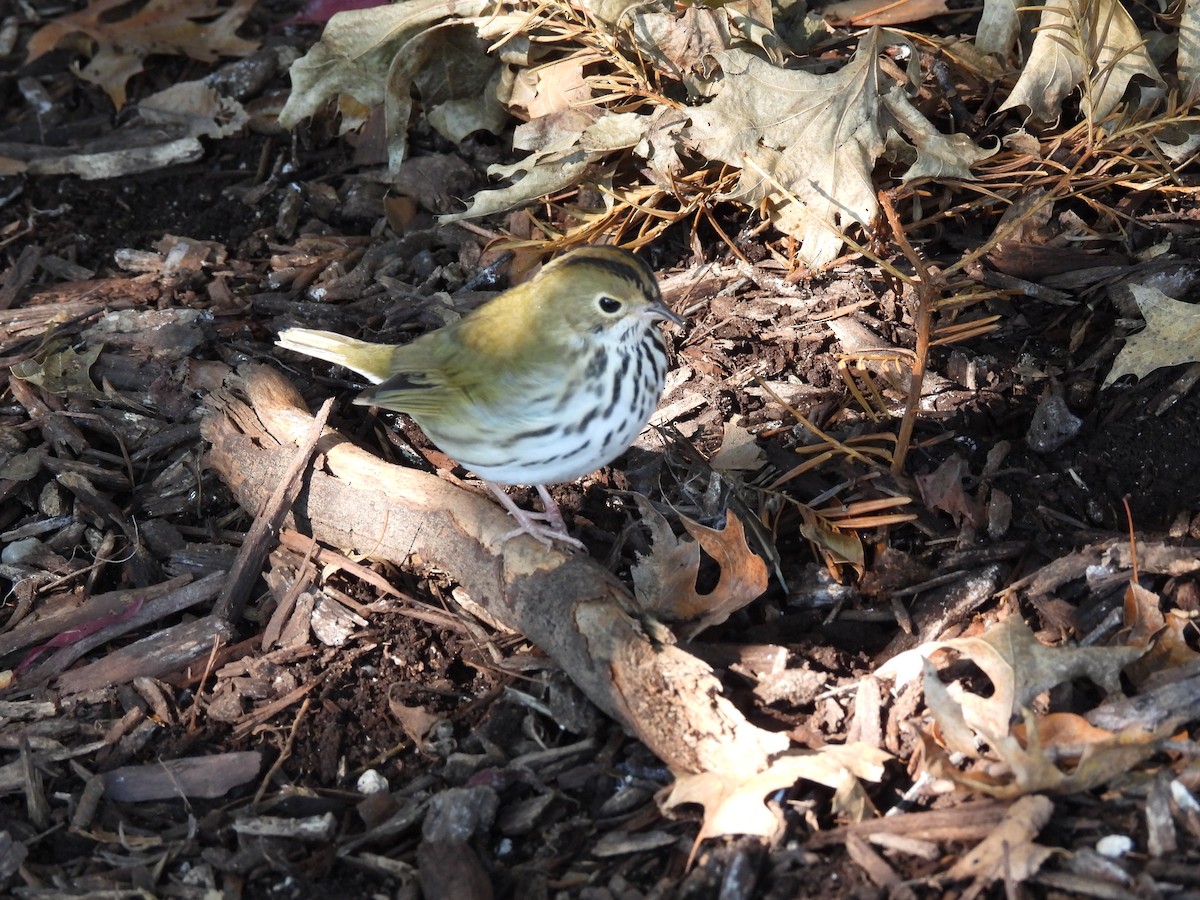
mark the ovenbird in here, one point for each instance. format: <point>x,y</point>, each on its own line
<point>546,382</point>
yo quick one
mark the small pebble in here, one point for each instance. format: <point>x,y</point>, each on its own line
<point>1114,846</point>
<point>20,551</point>
<point>1053,424</point>
<point>371,782</point>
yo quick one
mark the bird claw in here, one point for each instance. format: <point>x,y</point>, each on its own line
<point>547,526</point>
<point>546,534</point>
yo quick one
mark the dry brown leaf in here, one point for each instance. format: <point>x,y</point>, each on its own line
<point>1143,618</point>
<point>417,721</point>
<point>1008,853</point>
<point>736,806</point>
<point>552,88</point>
<point>1189,51</point>
<point>1074,39</point>
<point>62,371</point>
<point>739,451</point>
<point>807,144</point>
<point>1165,637</point>
<point>1059,752</point>
<point>838,548</point>
<point>194,108</point>
<point>953,730</point>
<point>118,45</point>
<point>1033,767</point>
<point>943,490</point>
<point>665,580</point>
<point>354,58</point>
<point>1171,336</point>
<point>1067,734</point>
<point>681,43</point>
<point>1020,667</point>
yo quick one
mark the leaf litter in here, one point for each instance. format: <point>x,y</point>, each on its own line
<point>1007,712</point>
<point>804,143</point>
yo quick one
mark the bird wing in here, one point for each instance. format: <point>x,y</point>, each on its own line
<point>490,360</point>
<point>430,377</point>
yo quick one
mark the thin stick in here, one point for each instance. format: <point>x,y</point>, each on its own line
<point>259,540</point>
<point>924,319</point>
<point>285,753</point>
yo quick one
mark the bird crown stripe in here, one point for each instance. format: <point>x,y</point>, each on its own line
<point>626,267</point>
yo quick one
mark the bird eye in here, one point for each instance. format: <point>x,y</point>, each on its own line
<point>610,305</point>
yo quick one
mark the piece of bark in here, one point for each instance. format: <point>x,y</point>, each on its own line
<point>566,603</point>
<point>15,280</point>
<point>967,821</point>
<point>151,610</point>
<point>37,807</point>
<point>39,627</point>
<point>70,298</point>
<point>874,865</point>
<point>193,776</point>
<point>264,531</point>
<point>164,651</point>
<point>936,612</point>
<point>452,869</point>
<point>60,432</point>
<point>12,856</point>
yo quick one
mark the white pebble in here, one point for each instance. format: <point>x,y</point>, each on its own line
<point>1114,846</point>
<point>371,782</point>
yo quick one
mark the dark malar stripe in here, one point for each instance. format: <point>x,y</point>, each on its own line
<point>653,349</point>
<point>623,368</point>
<point>616,399</point>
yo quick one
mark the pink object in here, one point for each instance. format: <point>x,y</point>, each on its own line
<point>78,633</point>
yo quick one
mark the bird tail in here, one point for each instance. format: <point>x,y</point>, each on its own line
<point>372,361</point>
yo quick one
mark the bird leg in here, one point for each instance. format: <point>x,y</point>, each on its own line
<point>547,526</point>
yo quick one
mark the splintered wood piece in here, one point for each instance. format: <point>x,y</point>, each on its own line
<point>164,651</point>
<point>193,776</point>
<point>264,532</point>
<point>141,612</point>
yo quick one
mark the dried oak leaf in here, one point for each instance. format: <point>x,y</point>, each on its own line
<point>739,451</point>
<point>371,58</point>
<point>1060,752</point>
<point>1008,853</point>
<point>1017,751</point>
<point>807,144</point>
<point>943,489</point>
<point>1020,667</point>
<point>1071,39</point>
<point>734,805</point>
<point>1164,635</point>
<point>1171,336</point>
<point>118,45</point>
<point>61,372</point>
<point>664,580</point>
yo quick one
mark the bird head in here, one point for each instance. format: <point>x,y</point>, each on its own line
<point>601,292</point>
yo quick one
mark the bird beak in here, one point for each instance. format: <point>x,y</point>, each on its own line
<point>659,311</point>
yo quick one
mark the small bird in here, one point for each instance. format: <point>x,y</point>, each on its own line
<point>550,380</point>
